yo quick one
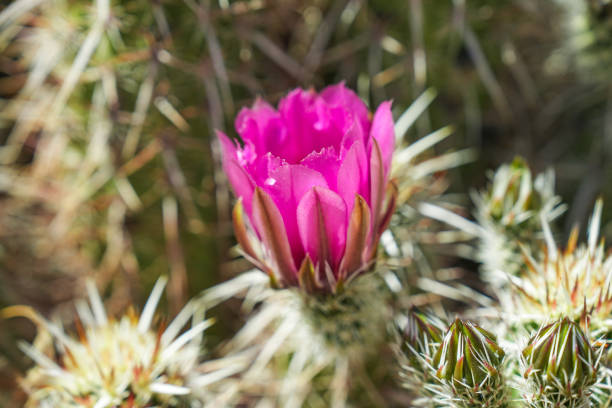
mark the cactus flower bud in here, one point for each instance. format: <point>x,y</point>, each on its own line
<point>469,361</point>
<point>560,363</point>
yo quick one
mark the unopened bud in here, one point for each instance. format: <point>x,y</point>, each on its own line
<point>560,363</point>
<point>469,361</point>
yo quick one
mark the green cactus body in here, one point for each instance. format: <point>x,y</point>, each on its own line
<point>560,366</point>
<point>351,319</point>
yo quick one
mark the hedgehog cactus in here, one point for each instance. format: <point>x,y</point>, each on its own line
<point>574,283</point>
<point>314,193</point>
<point>509,212</point>
<point>571,285</point>
<point>96,95</point>
<point>561,366</point>
<point>123,362</point>
<point>312,179</point>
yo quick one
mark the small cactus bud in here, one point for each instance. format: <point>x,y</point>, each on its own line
<point>469,361</point>
<point>560,364</point>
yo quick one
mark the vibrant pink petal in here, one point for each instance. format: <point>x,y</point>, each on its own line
<point>356,240</point>
<point>342,121</point>
<point>262,127</point>
<point>228,147</point>
<point>325,162</point>
<point>339,95</point>
<point>250,123</point>
<point>353,174</point>
<point>297,113</point>
<point>352,134</point>
<point>268,223</point>
<point>322,224</point>
<point>383,131</point>
<point>287,185</point>
<point>377,185</point>
<point>310,123</point>
<point>261,169</point>
<point>240,180</point>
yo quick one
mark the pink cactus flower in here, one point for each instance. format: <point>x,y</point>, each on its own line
<point>313,179</point>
